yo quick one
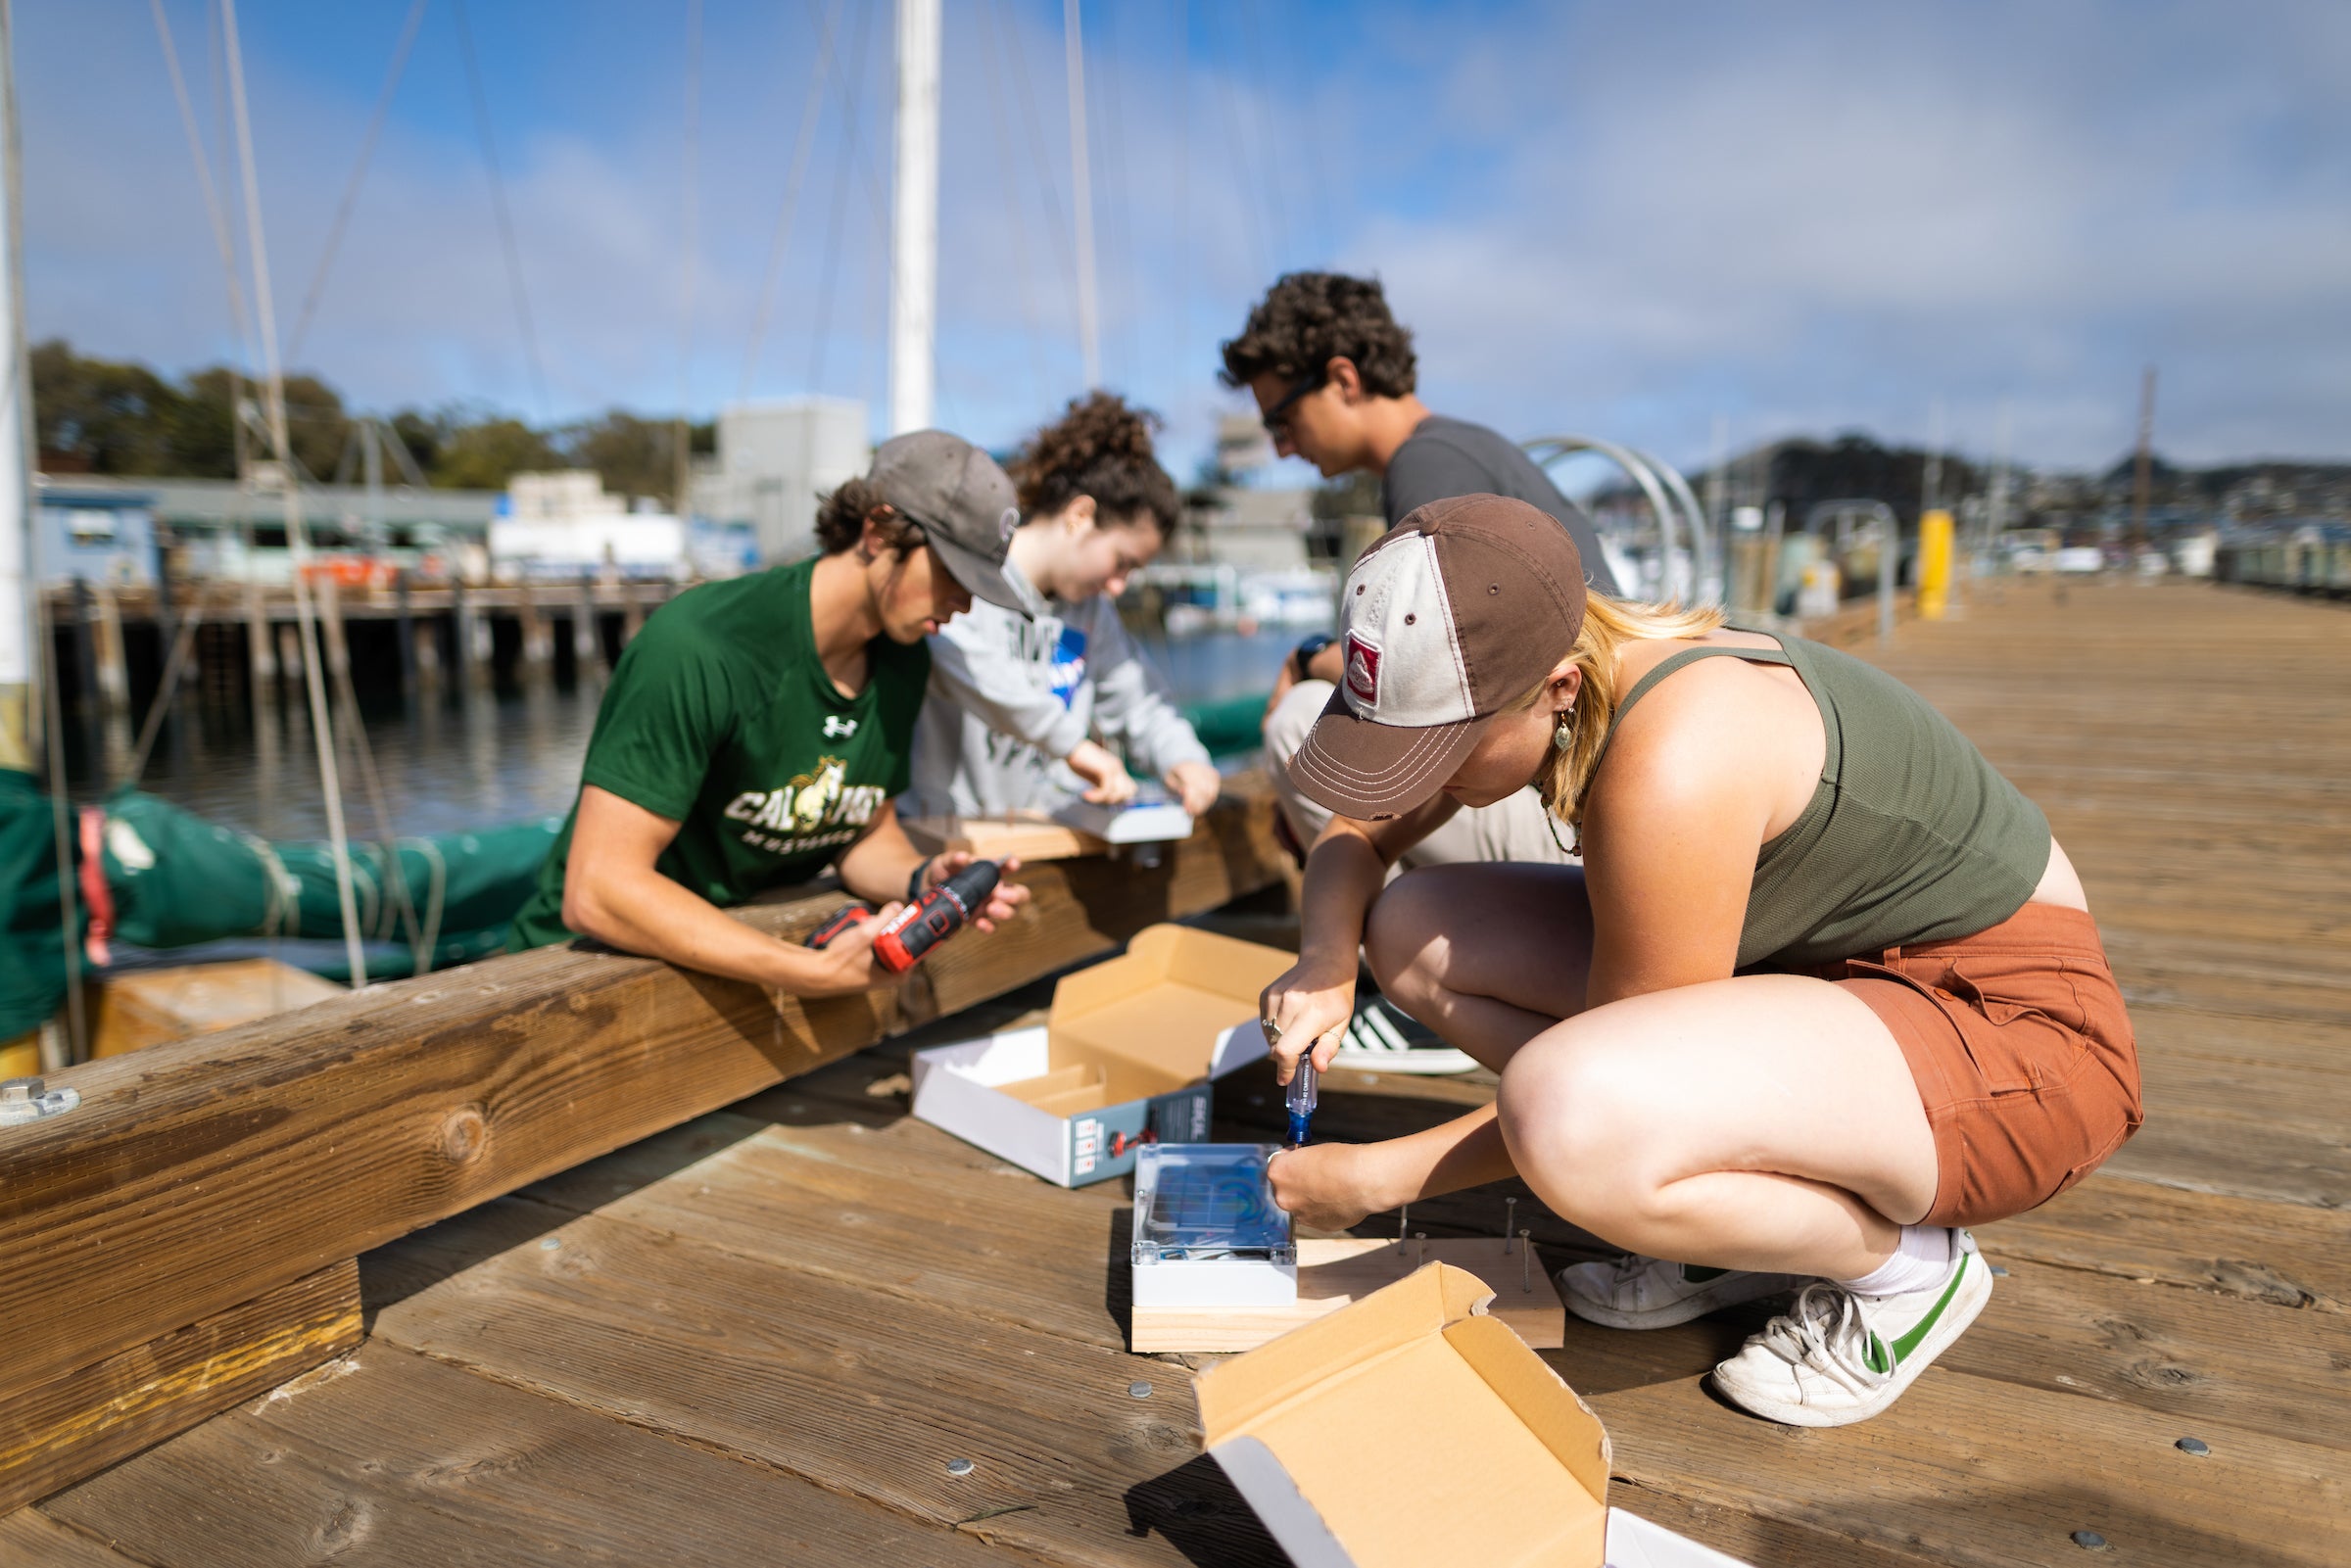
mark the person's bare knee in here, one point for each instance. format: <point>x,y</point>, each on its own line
<point>1581,1127</point>
<point>1405,938</point>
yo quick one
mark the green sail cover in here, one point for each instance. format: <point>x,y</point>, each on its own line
<point>177,879</point>
<point>32,945</point>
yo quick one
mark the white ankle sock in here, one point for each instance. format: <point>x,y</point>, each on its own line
<point>1921,1259</point>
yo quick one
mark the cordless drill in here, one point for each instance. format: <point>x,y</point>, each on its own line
<point>922,925</point>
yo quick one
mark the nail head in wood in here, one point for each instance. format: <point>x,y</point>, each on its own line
<point>2196,1446</point>
<point>959,1468</point>
<point>1139,1390</point>
<point>2090,1540</point>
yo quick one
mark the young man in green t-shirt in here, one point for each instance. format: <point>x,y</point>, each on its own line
<point>757,728</point>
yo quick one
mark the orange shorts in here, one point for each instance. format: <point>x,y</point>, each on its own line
<point>2022,1051</point>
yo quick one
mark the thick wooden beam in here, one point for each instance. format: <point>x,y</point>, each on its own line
<point>74,1426</point>
<point>203,1173</point>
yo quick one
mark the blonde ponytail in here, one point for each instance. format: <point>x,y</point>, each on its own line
<point>1609,623</point>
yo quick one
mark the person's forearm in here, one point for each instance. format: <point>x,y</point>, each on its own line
<point>1344,873</point>
<point>643,911</point>
<point>877,866</point>
<point>1451,1156</point>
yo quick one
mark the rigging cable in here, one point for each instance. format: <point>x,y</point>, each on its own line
<point>1082,194</point>
<point>683,498</point>
<point>497,202</point>
<point>1117,202</point>
<point>297,534</point>
<point>1036,147</point>
<point>810,112</point>
<point>840,196</point>
<point>40,667</point>
<point>359,175</point>
<point>1245,184</point>
<point>1012,206</point>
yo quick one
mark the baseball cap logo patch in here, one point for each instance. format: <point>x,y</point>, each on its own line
<point>1008,522</point>
<point>1362,671</point>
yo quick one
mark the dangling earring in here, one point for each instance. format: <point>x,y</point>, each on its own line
<point>1564,736</point>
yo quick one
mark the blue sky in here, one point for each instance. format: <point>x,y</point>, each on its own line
<point>1624,220</point>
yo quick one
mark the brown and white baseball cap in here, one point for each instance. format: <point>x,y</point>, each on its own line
<point>1450,618</point>
<point>963,500</point>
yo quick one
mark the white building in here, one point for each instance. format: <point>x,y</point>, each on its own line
<point>564,523</point>
<point>774,460</point>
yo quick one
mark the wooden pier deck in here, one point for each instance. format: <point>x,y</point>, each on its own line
<point>763,1336</point>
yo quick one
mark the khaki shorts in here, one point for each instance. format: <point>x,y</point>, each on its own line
<point>2022,1051</point>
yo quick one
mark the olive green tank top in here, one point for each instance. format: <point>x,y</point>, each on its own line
<point>1910,837</point>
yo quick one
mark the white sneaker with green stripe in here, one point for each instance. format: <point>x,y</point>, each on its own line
<point>1637,1292</point>
<point>1838,1357</point>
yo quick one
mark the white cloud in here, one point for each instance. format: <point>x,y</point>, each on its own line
<point>1621,220</point>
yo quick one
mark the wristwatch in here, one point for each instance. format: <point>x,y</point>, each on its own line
<point>1304,653</point>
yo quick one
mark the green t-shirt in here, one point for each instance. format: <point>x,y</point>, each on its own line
<point>720,717</point>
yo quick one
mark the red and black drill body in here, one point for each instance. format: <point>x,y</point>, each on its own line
<point>922,925</point>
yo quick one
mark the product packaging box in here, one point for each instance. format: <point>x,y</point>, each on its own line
<point>1124,1057</point>
<point>1411,1428</point>
<point>1148,817</point>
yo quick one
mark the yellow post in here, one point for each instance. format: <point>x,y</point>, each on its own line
<point>1934,564</point>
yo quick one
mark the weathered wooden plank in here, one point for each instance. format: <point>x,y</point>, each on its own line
<point>398,1460</point>
<point>78,1423</point>
<point>1968,1471</point>
<point>2221,1154</point>
<point>199,1173</point>
<point>864,1392</point>
<point>2266,1251</point>
<point>30,1539</point>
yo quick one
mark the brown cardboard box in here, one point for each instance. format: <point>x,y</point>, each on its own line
<point>1411,1429</point>
<point>1126,1054</point>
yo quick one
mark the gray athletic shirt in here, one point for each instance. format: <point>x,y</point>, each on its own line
<point>1011,697</point>
<point>1447,458</point>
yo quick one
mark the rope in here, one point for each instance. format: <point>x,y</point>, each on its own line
<point>497,202</point>
<point>358,174</point>
<point>436,901</point>
<point>810,112</point>
<point>297,535</point>
<point>166,694</point>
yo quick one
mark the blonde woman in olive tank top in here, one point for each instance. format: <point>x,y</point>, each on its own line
<point>1823,992</point>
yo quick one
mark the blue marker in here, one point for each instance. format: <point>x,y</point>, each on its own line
<point>1302,1100</point>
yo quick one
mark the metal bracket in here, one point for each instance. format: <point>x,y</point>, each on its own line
<point>30,1099</point>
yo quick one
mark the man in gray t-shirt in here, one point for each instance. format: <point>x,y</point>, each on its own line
<point>1333,375</point>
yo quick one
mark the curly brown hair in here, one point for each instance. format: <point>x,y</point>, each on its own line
<point>1307,319</point>
<point>1101,448</point>
<point>841,519</point>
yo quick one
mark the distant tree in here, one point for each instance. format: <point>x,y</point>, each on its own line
<point>635,456</point>
<point>485,454</point>
<point>204,431</point>
<point>99,416</point>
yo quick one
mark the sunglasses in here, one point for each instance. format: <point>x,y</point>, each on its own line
<point>1277,417</point>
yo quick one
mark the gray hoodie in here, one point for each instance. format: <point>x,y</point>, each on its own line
<point>1009,698</point>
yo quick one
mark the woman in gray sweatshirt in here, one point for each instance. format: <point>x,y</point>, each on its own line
<point>1016,707</point>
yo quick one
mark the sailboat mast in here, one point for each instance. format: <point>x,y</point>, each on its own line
<point>18,574</point>
<point>914,258</point>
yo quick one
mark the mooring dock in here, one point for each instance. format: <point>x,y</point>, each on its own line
<point>808,1328</point>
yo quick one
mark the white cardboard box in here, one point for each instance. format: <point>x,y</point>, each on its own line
<point>1125,1056</point>
<point>1411,1429</point>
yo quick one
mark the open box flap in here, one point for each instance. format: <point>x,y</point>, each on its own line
<point>1167,1001</point>
<point>1416,1431</point>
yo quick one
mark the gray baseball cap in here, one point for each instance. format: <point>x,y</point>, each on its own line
<point>963,500</point>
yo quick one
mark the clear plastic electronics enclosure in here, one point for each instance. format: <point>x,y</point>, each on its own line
<point>1207,1231</point>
